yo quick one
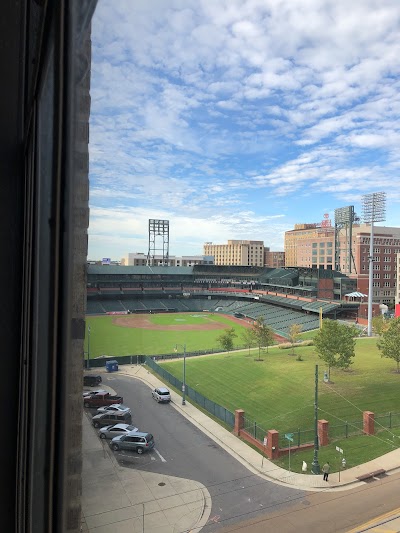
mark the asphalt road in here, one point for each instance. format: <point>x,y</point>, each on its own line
<point>333,512</point>
<point>184,451</point>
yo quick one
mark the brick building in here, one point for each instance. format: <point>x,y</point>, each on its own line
<point>313,246</point>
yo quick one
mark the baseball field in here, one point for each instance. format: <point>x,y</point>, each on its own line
<point>150,334</point>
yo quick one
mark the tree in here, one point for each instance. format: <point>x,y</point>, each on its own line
<point>389,342</point>
<point>334,344</point>
<point>226,339</point>
<point>294,332</point>
<point>248,338</point>
<point>263,334</point>
<point>379,324</point>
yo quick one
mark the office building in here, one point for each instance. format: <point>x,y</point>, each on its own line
<point>313,246</point>
<point>235,252</point>
<point>141,259</point>
<point>274,259</point>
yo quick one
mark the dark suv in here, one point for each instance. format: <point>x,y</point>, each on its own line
<point>135,441</point>
<point>91,381</point>
<point>109,419</point>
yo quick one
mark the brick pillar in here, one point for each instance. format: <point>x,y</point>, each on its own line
<point>323,432</point>
<point>272,442</point>
<point>369,422</point>
<point>239,421</point>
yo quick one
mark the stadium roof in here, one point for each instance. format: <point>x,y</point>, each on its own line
<point>118,269</point>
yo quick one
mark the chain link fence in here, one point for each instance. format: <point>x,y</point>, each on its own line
<point>213,408</point>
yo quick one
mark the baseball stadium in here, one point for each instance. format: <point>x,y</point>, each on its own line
<point>201,301</point>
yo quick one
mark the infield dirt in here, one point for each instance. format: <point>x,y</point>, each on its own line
<point>144,322</point>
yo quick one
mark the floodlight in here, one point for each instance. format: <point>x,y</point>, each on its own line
<point>374,210</point>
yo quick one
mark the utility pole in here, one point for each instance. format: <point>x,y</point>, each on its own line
<point>184,371</point>
<point>315,469</point>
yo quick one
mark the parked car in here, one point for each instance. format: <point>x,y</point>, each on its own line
<point>109,432</point>
<point>91,381</point>
<point>110,419</point>
<point>161,394</point>
<point>114,408</point>
<point>87,393</point>
<point>98,400</point>
<point>137,442</point>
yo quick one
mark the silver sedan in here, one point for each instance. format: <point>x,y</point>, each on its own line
<point>109,432</point>
<point>114,408</point>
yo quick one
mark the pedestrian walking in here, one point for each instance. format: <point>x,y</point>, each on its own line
<point>326,469</point>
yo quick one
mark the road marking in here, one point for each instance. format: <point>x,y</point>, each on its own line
<point>160,456</point>
<point>377,521</point>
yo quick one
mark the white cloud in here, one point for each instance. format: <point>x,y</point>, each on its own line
<point>219,107</point>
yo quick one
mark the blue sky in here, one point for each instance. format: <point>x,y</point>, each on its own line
<point>237,119</point>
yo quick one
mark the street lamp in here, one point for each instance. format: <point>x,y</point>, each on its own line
<point>374,210</point>
<point>315,468</point>
<point>184,371</point>
<point>88,349</point>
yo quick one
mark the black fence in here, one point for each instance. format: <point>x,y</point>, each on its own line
<point>213,408</point>
<point>121,360</point>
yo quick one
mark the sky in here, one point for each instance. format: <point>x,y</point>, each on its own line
<point>236,119</point>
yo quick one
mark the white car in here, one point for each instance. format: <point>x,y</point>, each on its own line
<point>161,394</point>
<point>114,408</point>
<point>87,393</point>
<point>109,432</point>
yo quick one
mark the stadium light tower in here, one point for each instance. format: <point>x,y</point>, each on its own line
<point>374,210</point>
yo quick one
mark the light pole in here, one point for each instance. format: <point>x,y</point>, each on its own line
<point>184,372</point>
<point>374,210</point>
<point>88,349</point>
<point>315,469</point>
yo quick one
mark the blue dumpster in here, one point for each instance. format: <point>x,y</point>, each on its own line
<point>112,365</point>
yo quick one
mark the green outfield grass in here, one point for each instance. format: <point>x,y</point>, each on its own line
<point>107,338</point>
<point>278,393</point>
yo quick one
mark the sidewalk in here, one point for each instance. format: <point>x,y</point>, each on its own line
<point>119,499</point>
<point>254,461</point>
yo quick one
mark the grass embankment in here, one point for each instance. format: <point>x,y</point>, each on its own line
<point>278,393</point>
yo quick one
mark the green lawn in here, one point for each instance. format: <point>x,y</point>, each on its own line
<point>107,338</point>
<point>308,334</point>
<point>356,450</point>
<point>278,393</point>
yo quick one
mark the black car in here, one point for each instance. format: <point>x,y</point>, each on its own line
<point>107,419</point>
<point>91,381</point>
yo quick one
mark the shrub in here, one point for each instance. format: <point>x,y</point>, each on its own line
<point>287,345</point>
